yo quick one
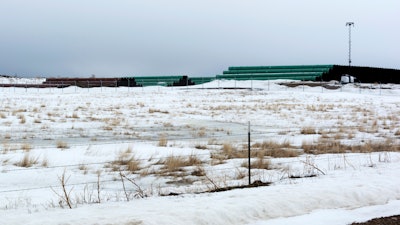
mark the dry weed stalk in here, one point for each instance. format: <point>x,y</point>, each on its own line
<point>139,191</point>
<point>65,196</point>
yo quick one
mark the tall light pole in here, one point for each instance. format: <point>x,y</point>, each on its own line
<point>350,24</point>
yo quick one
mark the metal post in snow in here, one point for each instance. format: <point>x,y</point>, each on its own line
<point>350,24</point>
<point>248,134</point>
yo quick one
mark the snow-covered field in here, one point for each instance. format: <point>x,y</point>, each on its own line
<point>125,153</point>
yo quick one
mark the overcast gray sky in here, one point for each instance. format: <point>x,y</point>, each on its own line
<point>111,38</point>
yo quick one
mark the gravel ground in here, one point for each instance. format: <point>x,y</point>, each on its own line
<point>391,220</point>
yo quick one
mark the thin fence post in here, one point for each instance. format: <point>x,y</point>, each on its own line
<point>248,134</point>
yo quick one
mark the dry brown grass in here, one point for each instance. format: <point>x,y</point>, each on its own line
<point>26,147</point>
<point>163,141</point>
<point>7,136</point>
<point>259,163</point>
<point>199,172</point>
<point>230,152</point>
<point>37,120</point>
<point>62,144</point>
<point>27,161</point>
<point>22,119</point>
<point>158,111</point>
<point>75,115</point>
<point>175,163</point>
<point>275,149</point>
<point>126,161</point>
<point>324,147</point>
<point>45,162</point>
<point>308,130</point>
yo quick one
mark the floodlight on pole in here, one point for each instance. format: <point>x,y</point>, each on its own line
<point>350,24</point>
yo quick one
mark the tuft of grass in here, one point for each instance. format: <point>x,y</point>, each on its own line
<point>62,144</point>
<point>199,172</point>
<point>26,147</point>
<point>175,163</point>
<point>127,161</point>
<point>22,119</point>
<point>37,120</point>
<point>324,147</point>
<point>75,115</point>
<point>275,149</point>
<point>308,130</point>
<point>259,163</point>
<point>45,162</point>
<point>27,161</point>
<point>163,141</point>
<point>199,146</point>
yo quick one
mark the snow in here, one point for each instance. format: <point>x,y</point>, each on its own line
<point>102,125</point>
